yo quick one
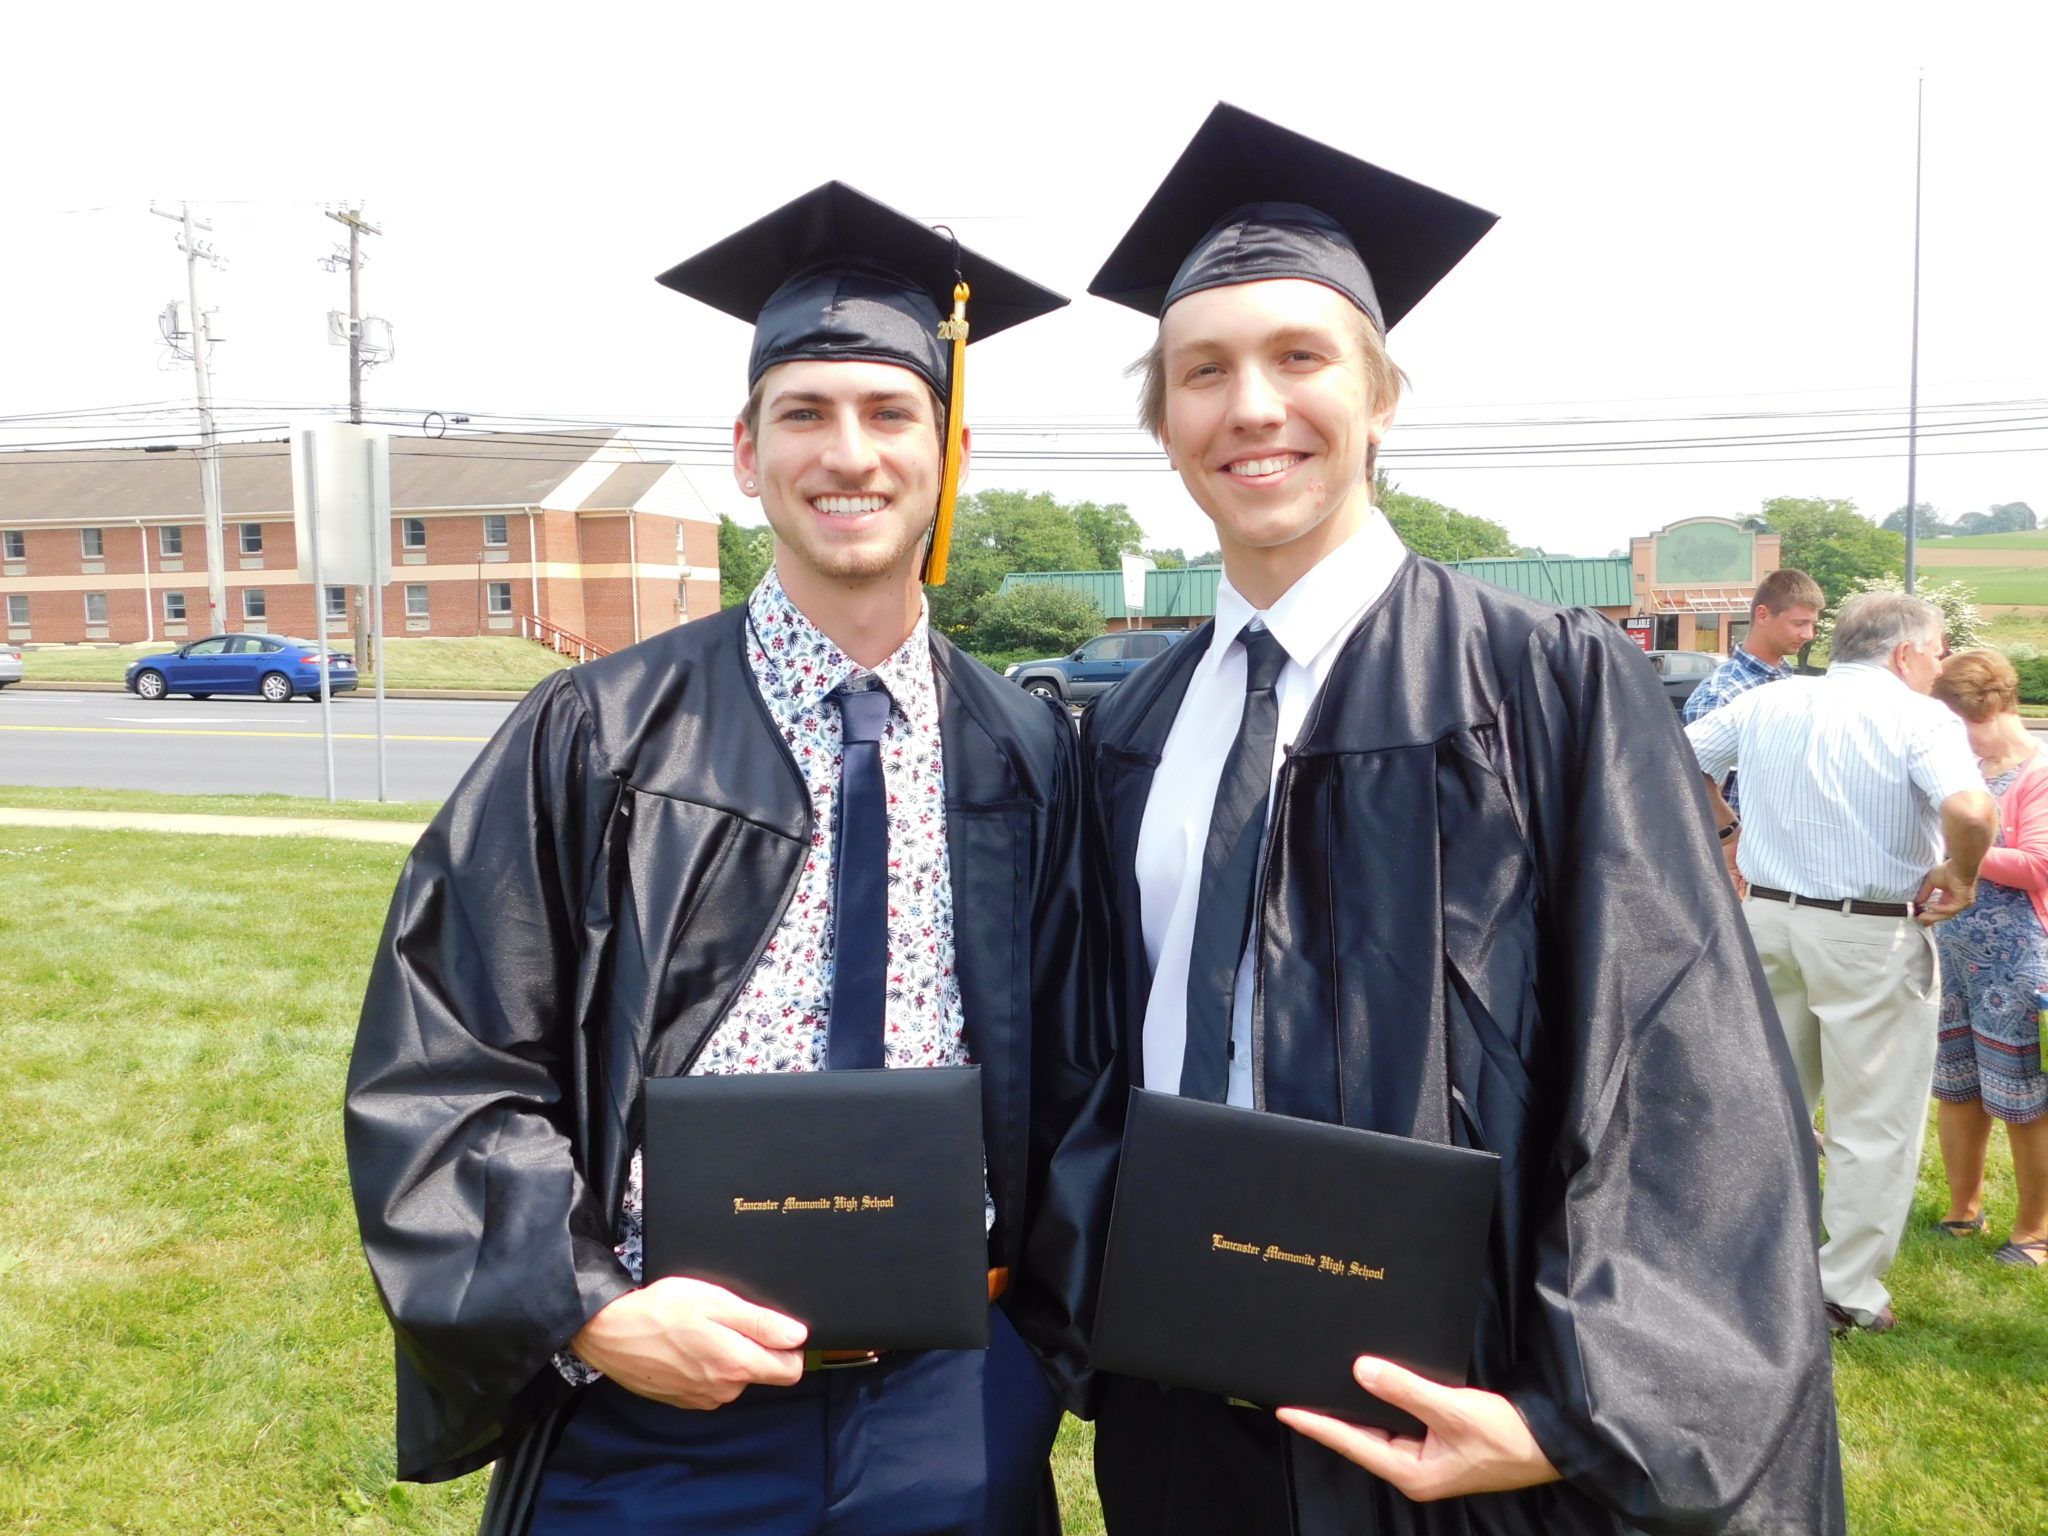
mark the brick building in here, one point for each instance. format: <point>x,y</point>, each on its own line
<point>577,529</point>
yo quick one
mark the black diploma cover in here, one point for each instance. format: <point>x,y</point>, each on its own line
<point>852,1201</point>
<point>1256,1256</point>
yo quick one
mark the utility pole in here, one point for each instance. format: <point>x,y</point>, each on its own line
<point>209,448</point>
<point>1913,388</point>
<point>352,324</point>
<point>352,218</point>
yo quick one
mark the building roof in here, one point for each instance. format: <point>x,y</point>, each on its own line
<point>428,474</point>
<point>1604,582</point>
<point>1105,587</point>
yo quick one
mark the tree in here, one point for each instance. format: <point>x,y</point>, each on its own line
<point>1974,523</point>
<point>1111,532</point>
<point>2012,517</point>
<point>997,532</point>
<point>1165,559</point>
<point>1927,523</point>
<point>744,555</point>
<point>1961,624</point>
<point>1438,532</point>
<point>1037,616</point>
<point>1833,543</point>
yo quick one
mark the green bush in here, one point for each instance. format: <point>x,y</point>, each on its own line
<point>2033,671</point>
<point>1038,616</point>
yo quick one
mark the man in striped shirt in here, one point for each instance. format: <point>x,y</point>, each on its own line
<point>1866,823</point>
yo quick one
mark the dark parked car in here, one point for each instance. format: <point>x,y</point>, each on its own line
<point>1683,671</point>
<point>275,667</point>
<point>1098,666</point>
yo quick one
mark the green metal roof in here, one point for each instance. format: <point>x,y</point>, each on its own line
<point>1187,593</point>
<point>1606,582</point>
<point>1105,587</point>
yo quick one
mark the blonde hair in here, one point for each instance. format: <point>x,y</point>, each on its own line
<point>1979,685</point>
<point>1383,378</point>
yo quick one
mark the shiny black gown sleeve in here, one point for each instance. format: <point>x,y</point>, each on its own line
<point>1675,1365</point>
<point>1079,1094</point>
<point>482,1232</point>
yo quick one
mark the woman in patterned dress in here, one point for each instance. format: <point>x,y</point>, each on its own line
<point>1993,959</point>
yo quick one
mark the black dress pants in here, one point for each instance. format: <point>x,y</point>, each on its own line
<point>1175,1463</point>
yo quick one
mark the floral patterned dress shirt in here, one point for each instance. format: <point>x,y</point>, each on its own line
<point>779,1022</point>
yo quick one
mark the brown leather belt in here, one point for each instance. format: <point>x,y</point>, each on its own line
<point>1860,908</point>
<point>841,1359</point>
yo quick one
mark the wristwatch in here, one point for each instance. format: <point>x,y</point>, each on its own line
<point>1731,829</point>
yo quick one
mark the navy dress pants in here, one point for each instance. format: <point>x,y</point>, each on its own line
<point>940,1443</point>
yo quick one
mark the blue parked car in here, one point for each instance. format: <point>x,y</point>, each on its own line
<point>276,667</point>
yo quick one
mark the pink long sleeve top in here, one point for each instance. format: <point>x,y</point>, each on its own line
<point>2023,860</point>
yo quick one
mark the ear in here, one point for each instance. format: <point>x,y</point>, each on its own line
<point>966,454</point>
<point>746,465</point>
<point>1379,421</point>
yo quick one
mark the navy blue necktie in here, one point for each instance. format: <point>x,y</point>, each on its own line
<point>860,886</point>
<point>1230,867</point>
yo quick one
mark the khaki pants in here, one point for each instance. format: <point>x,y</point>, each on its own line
<point>1859,998</point>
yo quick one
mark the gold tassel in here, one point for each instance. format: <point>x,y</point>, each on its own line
<point>955,331</point>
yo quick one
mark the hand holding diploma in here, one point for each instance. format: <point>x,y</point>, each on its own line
<point>691,1344</point>
<point>1477,1442</point>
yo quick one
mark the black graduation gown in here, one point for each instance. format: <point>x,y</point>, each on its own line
<point>1493,915</point>
<point>579,917</point>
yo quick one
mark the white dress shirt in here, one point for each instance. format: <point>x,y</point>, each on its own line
<point>1312,620</point>
<point>1843,777</point>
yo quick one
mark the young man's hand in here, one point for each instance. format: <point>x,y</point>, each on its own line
<point>1477,1442</point>
<point>691,1344</point>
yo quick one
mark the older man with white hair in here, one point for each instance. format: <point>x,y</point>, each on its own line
<point>1866,820</point>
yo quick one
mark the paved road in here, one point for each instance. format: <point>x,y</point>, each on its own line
<point>238,746</point>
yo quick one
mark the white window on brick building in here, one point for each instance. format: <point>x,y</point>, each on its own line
<point>170,542</point>
<point>96,608</point>
<point>255,604</point>
<point>174,607</point>
<point>494,530</point>
<point>501,599</point>
<point>92,544</point>
<point>413,532</point>
<point>17,610</point>
<point>252,538</point>
<point>337,602</point>
<point>14,544</point>
<point>416,600</point>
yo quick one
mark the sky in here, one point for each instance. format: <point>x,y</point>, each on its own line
<point>1706,226</point>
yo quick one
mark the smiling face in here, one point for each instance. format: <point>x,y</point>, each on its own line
<point>1270,412</point>
<point>845,457</point>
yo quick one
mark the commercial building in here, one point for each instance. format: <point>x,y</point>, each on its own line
<point>546,534</point>
<point>1685,587</point>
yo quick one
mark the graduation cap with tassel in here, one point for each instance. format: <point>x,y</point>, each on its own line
<point>835,276</point>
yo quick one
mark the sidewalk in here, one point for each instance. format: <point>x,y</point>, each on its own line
<point>402,833</point>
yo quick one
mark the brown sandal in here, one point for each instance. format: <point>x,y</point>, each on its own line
<point>1962,1228</point>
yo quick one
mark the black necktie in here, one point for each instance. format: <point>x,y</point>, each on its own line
<point>860,886</point>
<point>1230,867</point>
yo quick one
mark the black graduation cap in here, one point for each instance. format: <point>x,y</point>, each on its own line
<point>837,276</point>
<point>1250,200</point>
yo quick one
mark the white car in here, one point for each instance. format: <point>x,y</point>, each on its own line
<point>10,665</point>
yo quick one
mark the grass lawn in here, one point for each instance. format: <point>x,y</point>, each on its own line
<point>2023,584</point>
<point>188,1339</point>
<point>34,797</point>
<point>484,661</point>
<point>2035,539</point>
